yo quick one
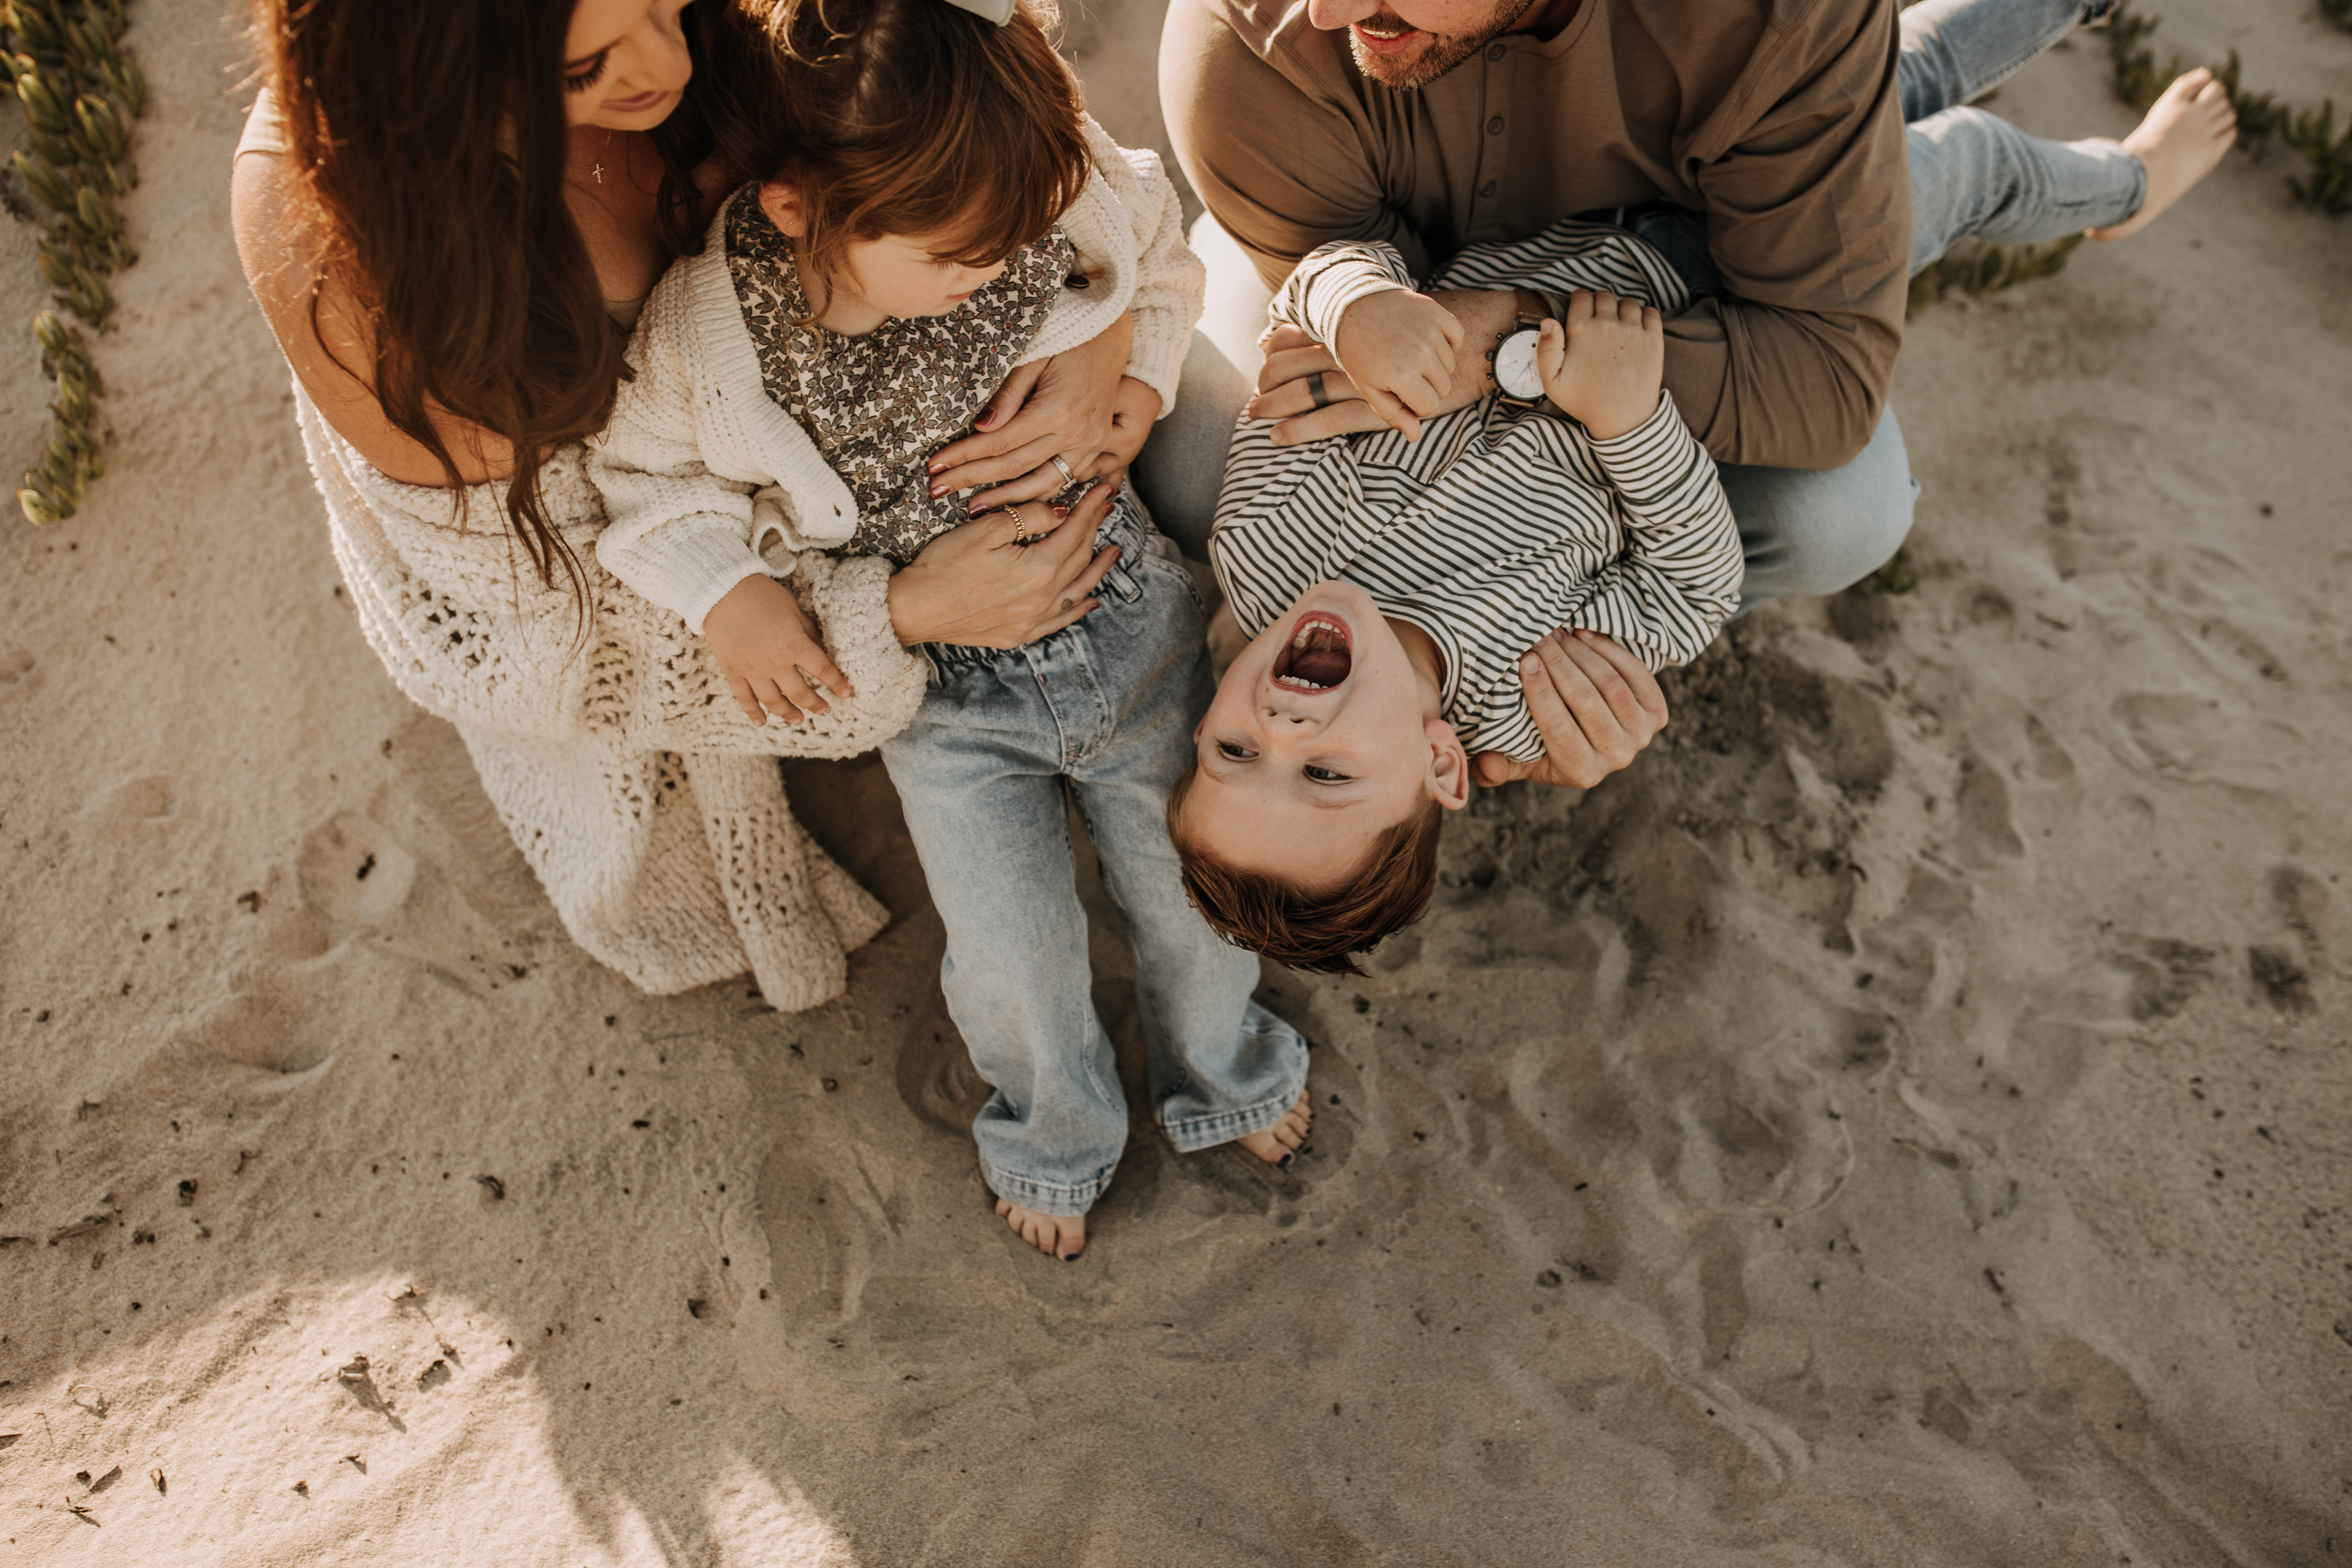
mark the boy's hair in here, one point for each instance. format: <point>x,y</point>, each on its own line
<point>914,116</point>
<point>1303,930</point>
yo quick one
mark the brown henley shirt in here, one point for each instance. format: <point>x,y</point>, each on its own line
<point>1778,120</point>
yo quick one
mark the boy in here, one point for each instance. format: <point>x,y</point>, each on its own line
<point>1573,496</point>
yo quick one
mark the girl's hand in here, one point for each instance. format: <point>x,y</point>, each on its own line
<point>975,587</point>
<point>1061,407</point>
<point>1604,370</point>
<point>762,643</point>
<point>1131,418</point>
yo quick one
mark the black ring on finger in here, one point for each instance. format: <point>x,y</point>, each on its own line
<point>1315,389</point>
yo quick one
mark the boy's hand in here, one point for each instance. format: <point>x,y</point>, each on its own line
<point>1398,349</point>
<point>762,643</point>
<point>1605,369</point>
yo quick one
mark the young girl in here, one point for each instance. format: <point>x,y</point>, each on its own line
<point>852,310</point>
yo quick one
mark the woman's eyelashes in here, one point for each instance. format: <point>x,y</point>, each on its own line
<point>589,76</point>
<point>1232,750</point>
<point>1323,775</point>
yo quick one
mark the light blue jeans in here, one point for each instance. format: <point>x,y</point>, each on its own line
<point>1100,713</point>
<point>1805,531</point>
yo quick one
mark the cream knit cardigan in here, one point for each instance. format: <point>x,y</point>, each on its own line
<point>651,810</point>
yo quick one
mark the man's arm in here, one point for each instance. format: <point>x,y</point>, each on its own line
<point>1808,222</point>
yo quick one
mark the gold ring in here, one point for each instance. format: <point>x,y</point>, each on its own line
<point>1019,525</point>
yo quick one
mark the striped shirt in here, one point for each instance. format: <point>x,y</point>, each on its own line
<point>1506,519</point>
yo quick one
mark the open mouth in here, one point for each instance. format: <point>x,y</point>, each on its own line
<point>1318,657</point>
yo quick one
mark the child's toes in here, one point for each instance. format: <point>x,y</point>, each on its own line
<point>1055,1236</point>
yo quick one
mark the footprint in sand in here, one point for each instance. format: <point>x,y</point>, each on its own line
<point>264,1028</point>
<point>134,804</point>
<point>2202,740</point>
<point>2288,973</point>
<point>370,887</point>
<point>1986,835</point>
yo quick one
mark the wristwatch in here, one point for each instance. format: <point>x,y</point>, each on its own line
<point>1514,352</point>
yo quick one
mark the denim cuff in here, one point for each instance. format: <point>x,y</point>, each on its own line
<point>1062,1200</point>
<point>1190,1135</point>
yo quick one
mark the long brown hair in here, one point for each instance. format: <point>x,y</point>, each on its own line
<point>914,116</point>
<point>430,137</point>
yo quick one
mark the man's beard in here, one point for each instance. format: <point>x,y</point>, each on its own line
<point>1444,50</point>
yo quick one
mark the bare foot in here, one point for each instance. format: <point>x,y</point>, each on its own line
<point>1279,1144</point>
<point>1062,1236</point>
<point>2178,144</point>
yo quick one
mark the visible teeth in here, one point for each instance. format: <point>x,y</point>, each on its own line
<point>1300,640</point>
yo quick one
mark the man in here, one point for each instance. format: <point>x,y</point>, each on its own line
<point>1762,142</point>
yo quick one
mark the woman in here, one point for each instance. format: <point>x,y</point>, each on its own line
<point>443,211</point>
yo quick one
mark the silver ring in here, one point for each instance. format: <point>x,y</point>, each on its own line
<point>1315,389</point>
<point>1067,478</point>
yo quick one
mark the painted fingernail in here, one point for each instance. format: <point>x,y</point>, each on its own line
<point>1284,1164</point>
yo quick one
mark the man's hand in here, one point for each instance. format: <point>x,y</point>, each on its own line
<point>762,643</point>
<point>1605,369</point>
<point>1595,704</point>
<point>1398,349</point>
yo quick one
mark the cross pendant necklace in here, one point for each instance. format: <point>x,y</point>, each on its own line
<point>597,168</point>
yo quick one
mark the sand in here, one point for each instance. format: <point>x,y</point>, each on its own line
<point>1902,1119</point>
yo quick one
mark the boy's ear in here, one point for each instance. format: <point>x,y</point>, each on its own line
<point>1449,766</point>
<point>783,204</point>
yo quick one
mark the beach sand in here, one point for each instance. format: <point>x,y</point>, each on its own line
<point>1901,1119</point>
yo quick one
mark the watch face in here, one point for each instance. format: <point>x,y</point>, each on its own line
<point>1515,366</point>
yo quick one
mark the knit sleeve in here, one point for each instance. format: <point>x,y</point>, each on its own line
<point>1170,280</point>
<point>675,532</point>
<point>1330,279</point>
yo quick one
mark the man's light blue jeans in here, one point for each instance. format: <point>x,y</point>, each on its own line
<point>1806,531</point>
<point>1100,713</point>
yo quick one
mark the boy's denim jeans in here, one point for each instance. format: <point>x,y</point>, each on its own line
<point>1100,713</point>
<point>1805,531</point>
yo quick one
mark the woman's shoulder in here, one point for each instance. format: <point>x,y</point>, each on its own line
<point>321,325</point>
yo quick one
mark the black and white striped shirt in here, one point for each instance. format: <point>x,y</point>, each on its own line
<point>1506,519</point>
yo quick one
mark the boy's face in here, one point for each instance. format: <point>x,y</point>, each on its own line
<point>1322,736</point>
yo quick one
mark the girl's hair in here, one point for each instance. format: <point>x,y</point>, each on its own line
<point>916,117</point>
<point>429,139</point>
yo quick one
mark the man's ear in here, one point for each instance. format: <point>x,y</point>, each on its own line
<point>783,204</point>
<point>1449,766</point>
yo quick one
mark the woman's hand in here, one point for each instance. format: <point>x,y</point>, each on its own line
<point>1595,704</point>
<point>1061,407</point>
<point>977,588</point>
